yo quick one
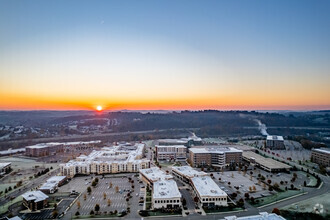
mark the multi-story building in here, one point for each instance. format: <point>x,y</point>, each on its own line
<point>185,173</point>
<point>152,175</point>
<point>5,168</point>
<point>173,152</point>
<point>215,156</point>
<point>72,148</point>
<point>166,195</point>
<point>52,184</point>
<point>34,200</point>
<point>275,142</point>
<point>122,158</point>
<point>205,189</point>
<point>165,190</point>
<point>208,192</point>
<point>321,157</point>
<point>193,140</point>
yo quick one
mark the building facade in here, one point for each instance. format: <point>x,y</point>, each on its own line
<point>166,195</point>
<point>173,152</point>
<point>35,200</point>
<point>321,157</point>
<point>122,158</point>
<point>275,142</point>
<point>208,192</point>
<point>215,156</point>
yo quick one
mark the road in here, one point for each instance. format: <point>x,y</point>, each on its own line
<point>16,143</point>
<point>32,184</point>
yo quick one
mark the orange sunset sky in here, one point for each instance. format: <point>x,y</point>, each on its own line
<point>167,55</point>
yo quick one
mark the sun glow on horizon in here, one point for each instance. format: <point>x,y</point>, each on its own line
<point>99,108</point>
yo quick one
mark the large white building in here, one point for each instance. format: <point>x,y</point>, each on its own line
<point>152,175</point>
<point>172,152</point>
<point>165,192</point>
<point>122,158</point>
<point>208,192</point>
<point>52,184</point>
<point>185,173</point>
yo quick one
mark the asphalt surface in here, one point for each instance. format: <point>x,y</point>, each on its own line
<point>32,184</point>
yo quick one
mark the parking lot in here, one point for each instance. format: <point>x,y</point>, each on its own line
<point>244,182</point>
<point>118,200</point>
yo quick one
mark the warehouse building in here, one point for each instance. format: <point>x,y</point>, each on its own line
<point>264,163</point>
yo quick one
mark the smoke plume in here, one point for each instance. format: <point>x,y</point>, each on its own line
<point>262,127</point>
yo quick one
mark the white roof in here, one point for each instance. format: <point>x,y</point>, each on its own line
<point>261,216</point>
<point>207,187</point>
<point>15,218</point>
<point>2,165</point>
<point>155,174</point>
<point>50,144</point>
<point>56,179</point>
<point>121,154</point>
<point>165,189</point>
<point>327,151</point>
<point>166,146</point>
<point>35,196</point>
<point>214,149</point>
<point>274,138</point>
<point>188,171</point>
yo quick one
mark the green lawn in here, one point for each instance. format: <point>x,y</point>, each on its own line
<point>310,204</point>
<point>276,197</point>
<point>223,209</point>
<point>159,213</point>
<point>312,180</point>
<point>4,208</point>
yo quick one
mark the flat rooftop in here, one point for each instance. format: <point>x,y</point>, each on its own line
<point>35,196</point>
<point>56,179</point>
<point>164,189</point>
<point>166,146</point>
<point>155,174</point>
<point>207,187</point>
<point>51,144</point>
<point>322,150</point>
<point>214,149</point>
<point>275,138</point>
<point>261,216</point>
<point>267,162</point>
<point>188,171</point>
<point>2,165</point>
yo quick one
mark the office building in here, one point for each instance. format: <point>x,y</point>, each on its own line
<point>216,156</point>
<point>172,152</point>
<point>35,200</point>
<point>321,157</point>
<point>52,184</point>
<point>274,142</point>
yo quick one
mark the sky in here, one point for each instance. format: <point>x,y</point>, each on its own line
<point>148,55</point>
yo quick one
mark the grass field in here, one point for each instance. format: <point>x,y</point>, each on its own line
<point>322,203</point>
<point>276,197</point>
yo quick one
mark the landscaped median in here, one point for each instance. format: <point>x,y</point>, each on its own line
<point>146,213</point>
<point>223,209</point>
<point>274,198</point>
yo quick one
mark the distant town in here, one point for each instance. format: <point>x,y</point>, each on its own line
<point>189,177</point>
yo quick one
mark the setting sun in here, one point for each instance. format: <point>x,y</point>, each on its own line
<point>99,108</point>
